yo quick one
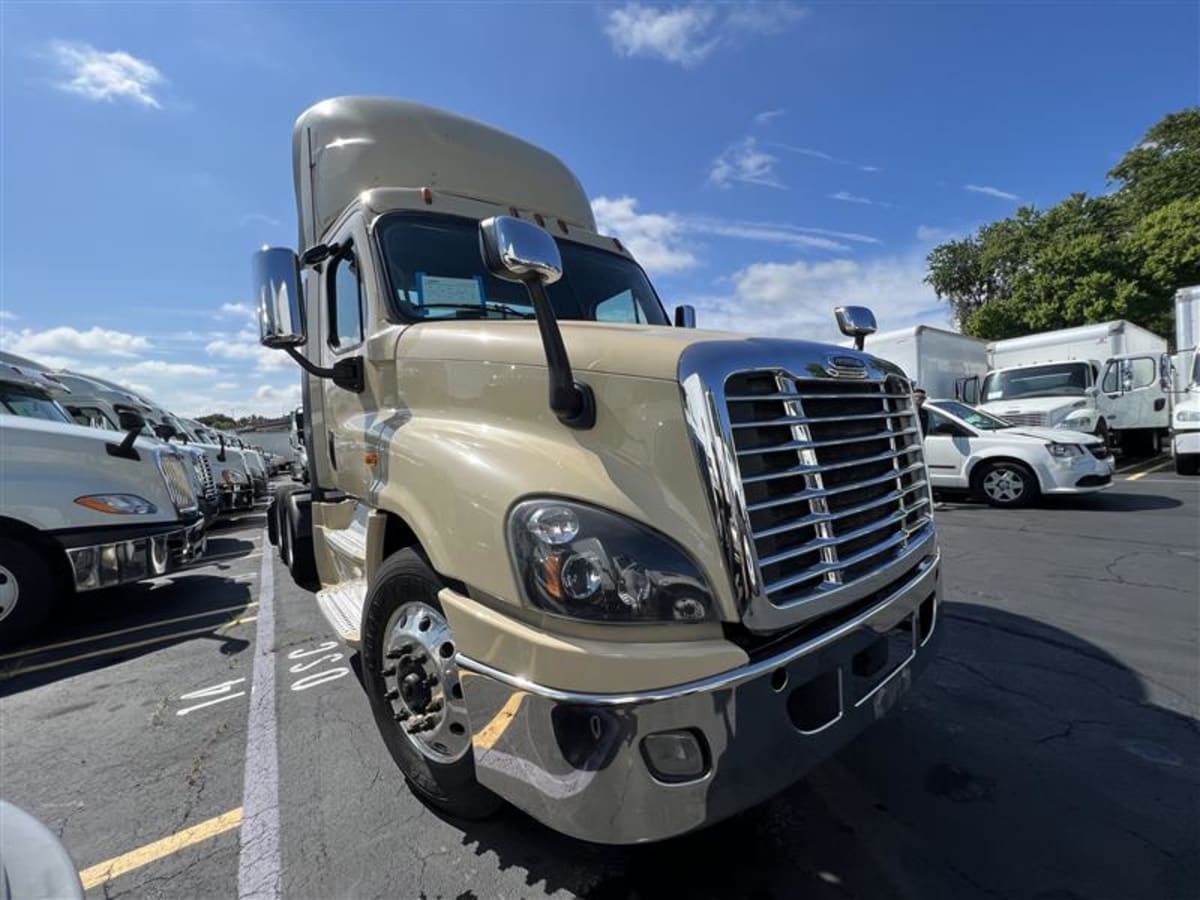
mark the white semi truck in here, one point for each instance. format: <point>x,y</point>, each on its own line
<point>1185,418</point>
<point>940,361</point>
<point>82,508</point>
<point>1111,379</point>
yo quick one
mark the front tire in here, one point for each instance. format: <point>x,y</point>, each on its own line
<point>1187,463</point>
<point>28,591</point>
<point>412,683</point>
<point>1005,484</point>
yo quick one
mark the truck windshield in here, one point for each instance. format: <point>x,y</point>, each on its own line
<point>976,418</point>
<point>436,272</point>
<point>1054,380</point>
<point>33,404</point>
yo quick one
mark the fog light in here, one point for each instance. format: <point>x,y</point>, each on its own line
<point>674,755</point>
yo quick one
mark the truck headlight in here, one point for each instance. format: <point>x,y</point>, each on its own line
<point>1064,451</point>
<point>583,562</point>
<point>233,476</point>
<point>1187,415</point>
<point>118,504</point>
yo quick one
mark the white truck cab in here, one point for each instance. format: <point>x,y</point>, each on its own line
<point>82,508</point>
<point>1185,417</point>
<point>1109,379</point>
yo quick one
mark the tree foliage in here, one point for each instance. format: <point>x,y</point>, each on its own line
<point>1087,259</point>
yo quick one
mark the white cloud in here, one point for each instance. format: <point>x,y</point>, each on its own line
<point>990,191</point>
<point>659,241</point>
<point>238,310</point>
<point>6,316</point>
<point>64,339</point>
<point>766,117</point>
<point>688,34</point>
<point>822,155</point>
<point>931,234</point>
<point>746,163</point>
<point>244,347</point>
<point>653,239</point>
<point>109,76</point>
<point>225,385</point>
<point>257,219</point>
<point>797,299</point>
<point>847,197</point>
<point>163,369</point>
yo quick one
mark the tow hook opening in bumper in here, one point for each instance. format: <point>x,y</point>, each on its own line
<point>622,769</point>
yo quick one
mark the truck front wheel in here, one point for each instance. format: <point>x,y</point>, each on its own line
<point>412,681</point>
<point>1187,463</point>
<point>27,591</point>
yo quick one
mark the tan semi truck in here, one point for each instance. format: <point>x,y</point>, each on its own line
<point>629,576</point>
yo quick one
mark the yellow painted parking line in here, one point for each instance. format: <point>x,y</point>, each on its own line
<point>1134,466</point>
<point>1145,472</point>
<point>491,732</point>
<point>107,634</point>
<point>161,639</point>
<point>135,859</point>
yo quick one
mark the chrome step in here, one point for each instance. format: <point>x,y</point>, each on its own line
<point>342,607</point>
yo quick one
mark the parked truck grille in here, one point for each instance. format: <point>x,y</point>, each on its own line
<point>178,481</point>
<point>204,467</point>
<point>833,477</point>
<point>1029,420</point>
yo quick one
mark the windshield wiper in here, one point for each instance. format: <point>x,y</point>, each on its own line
<point>482,309</point>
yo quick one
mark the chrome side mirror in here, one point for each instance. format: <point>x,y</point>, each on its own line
<point>516,250</point>
<point>277,287</point>
<point>856,322</point>
<point>685,316</point>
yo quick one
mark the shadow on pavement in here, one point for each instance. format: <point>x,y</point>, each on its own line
<point>1104,501</point>
<point>1025,763</point>
<point>146,618</point>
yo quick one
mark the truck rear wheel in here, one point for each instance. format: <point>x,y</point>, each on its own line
<point>1187,463</point>
<point>1005,484</point>
<point>409,670</point>
<point>27,591</point>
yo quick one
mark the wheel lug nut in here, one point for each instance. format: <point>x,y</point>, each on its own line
<point>391,694</point>
<point>388,671</point>
<point>403,716</point>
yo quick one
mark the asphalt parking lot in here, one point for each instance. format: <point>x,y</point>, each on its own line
<point>204,736</point>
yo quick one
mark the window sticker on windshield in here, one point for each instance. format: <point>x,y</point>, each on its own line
<point>433,289</point>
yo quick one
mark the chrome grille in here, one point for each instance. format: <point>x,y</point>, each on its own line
<point>1029,420</point>
<point>204,468</point>
<point>179,483</point>
<point>832,475</point>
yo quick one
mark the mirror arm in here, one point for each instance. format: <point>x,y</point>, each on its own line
<point>572,401</point>
<point>345,373</point>
<point>125,449</point>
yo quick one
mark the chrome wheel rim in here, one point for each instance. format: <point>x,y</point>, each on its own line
<point>10,592</point>
<point>1004,485</point>
<point>422,681</point>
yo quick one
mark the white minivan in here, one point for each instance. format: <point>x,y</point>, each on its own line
<point>1009,465</point>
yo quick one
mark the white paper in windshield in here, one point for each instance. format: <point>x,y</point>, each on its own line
<point>433,289</point>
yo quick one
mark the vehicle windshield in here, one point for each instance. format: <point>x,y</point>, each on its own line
<point>1054,380</point>
<point>31,403</point>
<point>976,418</point>
<point>436,272</point>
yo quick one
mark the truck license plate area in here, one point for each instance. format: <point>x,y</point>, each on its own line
<point>872,666</point>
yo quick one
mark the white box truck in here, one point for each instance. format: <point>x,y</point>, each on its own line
<point>1185,418</point>
<point>1110,379</point>
<point>935,359</point>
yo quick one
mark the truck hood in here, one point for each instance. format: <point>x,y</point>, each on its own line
<point>644,351</point>
<point>1026,405</point>
<point>81,436</point>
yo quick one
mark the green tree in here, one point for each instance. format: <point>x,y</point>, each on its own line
<point>1086,259</point>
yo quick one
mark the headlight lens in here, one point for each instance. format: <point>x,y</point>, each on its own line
<point>582,562</point>
<point>1065,451</point>
<point>1187,415</point>
<point>232,476</point>
<point>118,504</point>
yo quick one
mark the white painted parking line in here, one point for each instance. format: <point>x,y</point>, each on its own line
<point>259,861</point>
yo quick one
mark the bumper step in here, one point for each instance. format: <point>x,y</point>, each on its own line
<point>342,607</point>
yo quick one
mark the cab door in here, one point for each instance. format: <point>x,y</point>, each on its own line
<point>947,449</point>
<point>1132,387</point>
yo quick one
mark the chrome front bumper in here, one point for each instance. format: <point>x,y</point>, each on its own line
<point>577,762</point>
<point>103,565</point>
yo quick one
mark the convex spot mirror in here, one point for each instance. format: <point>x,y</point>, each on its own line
<point>276,282</point>
<point>516,250</point>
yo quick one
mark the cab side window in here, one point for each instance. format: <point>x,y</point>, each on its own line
<point>345,301</point>
<point>1110,385</point>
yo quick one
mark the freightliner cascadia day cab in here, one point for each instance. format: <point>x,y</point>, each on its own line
<point>82,508</point>
<point>629,576</point>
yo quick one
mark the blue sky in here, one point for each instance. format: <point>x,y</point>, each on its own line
<point>764,161</point>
